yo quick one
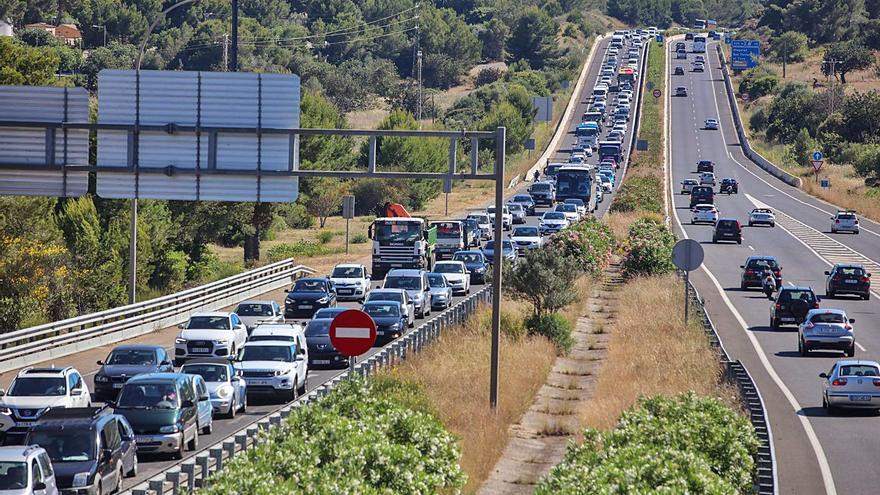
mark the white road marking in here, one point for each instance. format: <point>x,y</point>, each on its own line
<point>750,247</point>
<point>860,347</point>
<point>824,467</point>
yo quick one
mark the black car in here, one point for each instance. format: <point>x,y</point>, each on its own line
<point>727,229</point>
<point>126,361</point>
<point>476,263</point>
<point>526,201</point>
<point>729,186</point>
<point>542,193</point>
<point>91,448</point>
<point>689,36</point>
<point>848,279</point>
<point>785,310</point>
<point>391,322</point>
<point>307,296</point>
<point>702,195</point>
<point>322,354</point>
<point>753,271</point>
<point>679,71</point>
<point>705,166</point>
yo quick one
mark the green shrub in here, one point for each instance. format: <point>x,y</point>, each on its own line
<point>325,236</point>
<point>553,326</point>
<point>648,248</point>
<point>587,245</point>
<point>487,75</point>
<point>362,438</point>
<point>300,249</point>
<point>759,82</point>
<point>360,238</point>
<point>544,279</point>
<point>296,216</point>
<point>683,444</point>
<point>643,193</point>
<point>170,273</point>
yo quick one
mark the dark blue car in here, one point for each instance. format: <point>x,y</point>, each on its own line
<point>125,362</point>
<point>322,354</point>
<point>476,264</point>
<point>391,322</point>
<point>307,296</point>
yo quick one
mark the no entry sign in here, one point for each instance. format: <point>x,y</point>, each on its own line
<point>353,332</point>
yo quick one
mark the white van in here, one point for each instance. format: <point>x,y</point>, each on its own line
<point>600,92</point>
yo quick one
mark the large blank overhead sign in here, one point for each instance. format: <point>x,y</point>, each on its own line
<point>204,165</point>
<point>44,154</point>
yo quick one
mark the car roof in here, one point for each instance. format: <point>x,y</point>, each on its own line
<point>795,287</point>
<point>275,343</point>
<point>384,289</point>
<point>849,265</point>
<point>202,362</point>
<point>349,265</point>
<point>376,303</point>
<point>406,272</point>
<point>277,329</point>
<point>209,313</point>
<point>256,302</point>
<point>761,257</point>
<point>161,377</point>
<point>850,362</point>
<point>18,452</point>
<point>826,311</point>
<point>44,371</point>
<point>321,279</point>
<point>448,262</point>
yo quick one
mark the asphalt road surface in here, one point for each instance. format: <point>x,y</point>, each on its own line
<point>815,453</point>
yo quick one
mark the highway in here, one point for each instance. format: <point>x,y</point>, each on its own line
<point>815,453</point>
<point>85,361</point>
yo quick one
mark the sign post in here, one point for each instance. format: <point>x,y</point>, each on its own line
<point>817,166</point>
<point>352,333</point>
<point>347,214</point>
<point>687,256</point>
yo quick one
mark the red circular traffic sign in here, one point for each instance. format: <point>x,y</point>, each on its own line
<point>353,332</point>
<point>657,93</point>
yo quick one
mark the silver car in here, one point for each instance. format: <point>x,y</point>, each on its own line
<point>827,329</point>
<point>851,383</point>
<point>228,391</point>
<point>441,291</point>
<point>518,212</point>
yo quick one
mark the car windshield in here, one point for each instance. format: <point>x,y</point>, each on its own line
<point>828,318</point>
<point>505,245</point>
<point>468,257</point>
<point>306,285</point>
<point>210,372</point>
<point>397,231</point>
<point>525,232</point>
<point>13,475</point>
<point>148,395</point>
<point>436,281</point>
<point>541,187</point>
<point>381,310</point>
<point>37,387</point>
<point>848,270</point>
<point>247,309</point>
<point>385,296</point>
<point>347,272</point>
<point>274,338</point>
<point>318,328</point>
<point>794,294</point>
<point>209,322</point>
<point>133,357</point>
<point>514,207</point>
<point>328,313</point>
<point>690,181</point>
<point>761,264</point>
<point>408,283</point>
<point>574,201</point>
<point>266,353</point>
<point>554,215</point>
<point>519,198</point>
<point>728,224</point>
<point>448,268</point>
<point>846,216</point>
<point>859,370</point>
<point>480,218</point>
<point>64,445</point>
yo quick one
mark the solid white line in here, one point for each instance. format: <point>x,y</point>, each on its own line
<point>352,333</point>
<point>824,467</point>
<point>860,347</point>
<point>750,247</point>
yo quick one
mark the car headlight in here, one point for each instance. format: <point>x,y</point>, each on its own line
<point>323,300</point>
<point>180,340</point>
<point>170,429</point>
<point>224,392</point>
<point>480,269</point>
<point>81,479</point>
<point>221,342</point>
<point>395,327</point>
<point>282,372</point>
<point>101,378</point>
<point>6,411</point>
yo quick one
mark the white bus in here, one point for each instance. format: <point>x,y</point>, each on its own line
<point>699,43</point>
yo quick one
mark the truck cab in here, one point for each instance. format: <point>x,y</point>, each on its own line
<point>401,242</point>
<point>450,238</point>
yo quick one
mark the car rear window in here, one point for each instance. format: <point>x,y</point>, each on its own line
<point>730,224</point>
<point>794,294</point>
<point>759,263</point>
<point>851,271</point>
<point>846,216</point>
<point>859,370</point>
<point>828,318</point>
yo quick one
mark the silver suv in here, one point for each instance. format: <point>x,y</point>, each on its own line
<point>26,470</point>
<point>415,283</point>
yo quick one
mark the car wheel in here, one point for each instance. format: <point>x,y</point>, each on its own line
<point>851,351</point>
<point>773,225</point>
<point>802,349</point>
<point>244,404</point>
<point>830,293</point>
<point>100,489</point>
<point>208,428</point>
<point>740,241</point>
<point>714,241</point>
<point>774,324</point>
<point>118,487</point>
<point>866,296</point>
<point>743,286</point>
<point>133,472</point>
<point>178,454</point>
<point>750,224</point>
<point>833,231</point>
<point>412,324</point>
<point>303,387</point>
<point>233,407</point>
<point>193,444</point>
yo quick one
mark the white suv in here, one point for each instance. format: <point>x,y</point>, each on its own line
<point>506,216</point>
<point>275,367</point>
<point>845,221</point>
<point>26,470</point>
<point>36,390</point>
<point>352,282</point>
<point>209,335</point>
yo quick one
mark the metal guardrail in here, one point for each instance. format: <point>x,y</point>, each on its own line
<point>193,473</point>
<point>52,340</point>
<point>735,373</point>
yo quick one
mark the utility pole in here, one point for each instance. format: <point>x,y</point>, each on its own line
<point>104,27</point>
<point>833,63</point>
<point>225,52</point>
<point>419,70</point>
<point>233,59</point>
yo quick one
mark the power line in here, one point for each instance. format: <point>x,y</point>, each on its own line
<point>342,32</point>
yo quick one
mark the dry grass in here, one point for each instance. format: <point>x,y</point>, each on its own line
<point>652,356</point>
<point>454,373</point>
<point>620,222</point>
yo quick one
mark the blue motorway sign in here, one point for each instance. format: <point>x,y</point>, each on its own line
<point>744,54</point>
<point>727,39</point>
<point>817,155</point>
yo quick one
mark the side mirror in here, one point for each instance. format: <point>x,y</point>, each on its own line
<point>868,275</point>
<point>823,375</point>
<point>204,398</point>
<point>187,403</point>
<point>76,392</point>
<point>827,273</point>
<point>2,392</point>
<point>165,363</point>
<point>286,291</point>
<point>181,326</point>
<point>39,486</point>
<point>302,351</point>
<point>852,320</point>
<point>742,266</point>
<point>106,453</point>
<point>99,362</point>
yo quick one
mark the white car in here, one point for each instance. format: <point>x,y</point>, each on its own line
<point>687,185</point>
<point>506,216</point>
<point>33,391</point>
<point>711,125</point>
<point>570,211</point>
<point>707,179</point>
<point>352,282</point>
<point>457,275</point>
<point>845,221</point>
<point>605,183</point>
<point>619,127</point>
<point>827,329</point>
<point>852,383</point>
<point>484,223</point>
<point>209,335</point>
<point>762,216</point>
<point>526,238</point>
<point>253,313</point>
<point>704,213</point>
<point>553,221</point>
<point>286,332</point>
<point>275,368</point>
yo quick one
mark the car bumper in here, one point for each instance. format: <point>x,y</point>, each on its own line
<point>843,399</point>
<point>479,277</point>
<point>220,406</point>
<point>350,293</point>
<point>761,221</point>
<point>163,443</point>
<point>458,286</point>
<point>182,352</point>
<point>550,229</point>
<point>851,289</point>
<point>703,220</point>
<point>841,343</point>
<point>729,237</point>
<point>318,359</point>
<point>440,303</point>
<point>303,310</point>
<point>269,385</point>
<point>81,490</point>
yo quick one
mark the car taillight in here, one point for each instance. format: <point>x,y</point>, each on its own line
<point>836,278</point>
<point>839,382</point>
<point>877,382</point>
<point>847,327</point>
<point>837,221</point>
<point>865,279</point>
<point>816,304</point>
<point>810,324</point>
<point>750,272</point>
<point>778,306</point>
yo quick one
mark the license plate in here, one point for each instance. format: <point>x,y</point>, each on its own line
<point>850,281</point>
<point>860,398</point>
<point>258,382</point>
<point>321,361</point>
<point>305,306</point>
<point>118,385</point>
<point>786,319</point>
<point>345,291</point>
<point>201,350</point>
<point>26,424</point>
<point>380,333</point>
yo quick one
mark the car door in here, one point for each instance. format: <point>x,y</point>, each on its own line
<point>203,401</point>
<point>38,481</point>
<point>79,393</point>
<point>128,446</point>
<point>110,454</point>
<point>302,351</point>
<point>48,474</point>
<point>239,330</point>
